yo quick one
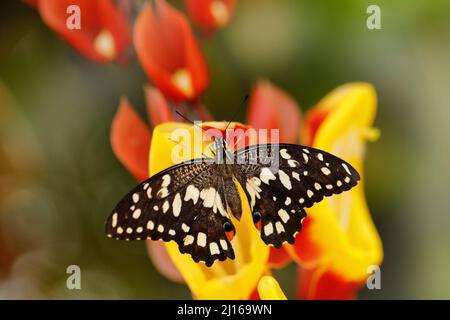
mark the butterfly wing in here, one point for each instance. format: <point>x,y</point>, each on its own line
<point>181,203</point>
<point>280,180</point>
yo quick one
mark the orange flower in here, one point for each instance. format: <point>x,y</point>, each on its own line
<point>210,14</point>
<point>169,53</point>
<point>104,33</point>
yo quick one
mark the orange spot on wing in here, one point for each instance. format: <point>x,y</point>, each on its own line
<point>230,235</point>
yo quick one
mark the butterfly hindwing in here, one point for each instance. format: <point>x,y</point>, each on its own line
<point>280,180</point>
<point>183,204</point>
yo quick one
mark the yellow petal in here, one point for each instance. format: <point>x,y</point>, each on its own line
<point>344,231</point>
<point>269,289</point>
<point>230,279</point>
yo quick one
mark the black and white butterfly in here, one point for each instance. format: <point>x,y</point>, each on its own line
<point>192,202</point>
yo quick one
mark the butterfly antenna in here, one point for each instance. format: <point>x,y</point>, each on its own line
<point>189,120</point>
<point>236,111</point>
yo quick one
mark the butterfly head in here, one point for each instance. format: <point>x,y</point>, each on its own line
<point>222,154</point>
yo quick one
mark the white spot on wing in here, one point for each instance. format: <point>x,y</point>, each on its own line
<point>279,227</point>
<point>136,214</point>
<point>150,225</point>
<point>160,228</point>
<point>285,180</point>
<point>296,176</point>
<point>135,197</point>
<point>266,175</point>
<point>185,227</point>
<point>325,171</point>
<point>219,205</point>
<point>165,206</point>
<point>192,193</point>
<point>310,193</point>
<point>114,220</point>
<point>166,180</point>
<point>284,154</point>
<point>253,190</point>
<point>214,248</point>
<point>292,163</point>
<point>149,193</point>
<point>305,157</point>
<point>176,205</point>
<point>162,193</point>
<point>284,216</point>
<point>188,240</point>
<point>208,195</point>
<point>320,156</point>
<point>201,239</point>
<point>287,201</point>
<point>346,168</point>
<point>223,244</point>
<point>268,229</point>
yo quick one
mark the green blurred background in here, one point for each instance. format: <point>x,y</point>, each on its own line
<point>59,178</point>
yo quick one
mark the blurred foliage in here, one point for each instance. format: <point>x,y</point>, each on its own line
<point>59,178</point>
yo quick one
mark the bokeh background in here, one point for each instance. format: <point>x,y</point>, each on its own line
<point>59,178</point>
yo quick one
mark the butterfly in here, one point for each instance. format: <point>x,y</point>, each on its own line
<point>192,202</point>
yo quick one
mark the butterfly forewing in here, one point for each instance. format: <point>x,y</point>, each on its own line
<point>280,180</point>
<point>184,203</point>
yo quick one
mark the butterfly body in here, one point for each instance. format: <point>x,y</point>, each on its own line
<point>191,203</point>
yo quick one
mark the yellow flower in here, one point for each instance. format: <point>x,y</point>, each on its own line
<point>269,289</point>
<point>340,238</point>
<point>230,279</point>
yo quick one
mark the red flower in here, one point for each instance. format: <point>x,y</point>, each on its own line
<point>104,34</point>
<point>272,108</point>
<point>324,285</point>
<point>210,14</point>
<point>169,53</point>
